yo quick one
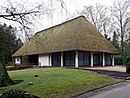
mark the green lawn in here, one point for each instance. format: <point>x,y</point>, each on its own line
<point>57,82</point>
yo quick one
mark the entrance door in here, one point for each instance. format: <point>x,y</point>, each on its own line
<point>32,59</point>
<point>56,59</point>
<point>108,60</point>
<point>97,59</point>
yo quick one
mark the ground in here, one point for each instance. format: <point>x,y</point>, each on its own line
<point>113,71</point>
<point>58,82</point>
<point>110,68</point>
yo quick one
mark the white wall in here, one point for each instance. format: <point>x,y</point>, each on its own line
<point>43,60</point>
<point>112,60</point>
<point>17,60</point>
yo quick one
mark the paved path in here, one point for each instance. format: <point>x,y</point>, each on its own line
<point>110,68</point>
<point>121,90</point>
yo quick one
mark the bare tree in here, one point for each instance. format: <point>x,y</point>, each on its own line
<point>24,17</point>
<point>98,16</point>
<point>126,42</point>
<point>126,27</point>
<point>27,17</point>
<point>119,11</point>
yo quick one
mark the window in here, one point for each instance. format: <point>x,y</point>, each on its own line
<point>56,59</point>
<point>83,58</point>
<point>108,59</point>
<point>69,58</point>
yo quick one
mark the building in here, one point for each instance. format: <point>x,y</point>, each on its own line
<point>72,43</point>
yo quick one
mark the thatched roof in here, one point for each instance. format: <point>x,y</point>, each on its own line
<point>75,34</point>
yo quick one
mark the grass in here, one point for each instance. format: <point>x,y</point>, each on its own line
<point>57,82</point>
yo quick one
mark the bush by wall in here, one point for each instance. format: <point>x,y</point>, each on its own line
<point>118,60</point>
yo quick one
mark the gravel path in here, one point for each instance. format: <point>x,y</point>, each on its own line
<point>114,71</point>
<point>115,74</point>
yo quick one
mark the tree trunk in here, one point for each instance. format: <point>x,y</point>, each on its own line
<point>4,76</point>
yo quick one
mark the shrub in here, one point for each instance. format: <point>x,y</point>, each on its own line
<point>16,94</point>
<point>127,59</point>
<point>118,60</point>
<point>20,67</point>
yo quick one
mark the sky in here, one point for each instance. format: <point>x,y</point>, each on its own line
<point>43,23</point>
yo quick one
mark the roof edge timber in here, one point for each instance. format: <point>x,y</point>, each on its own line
<point>115,53</point>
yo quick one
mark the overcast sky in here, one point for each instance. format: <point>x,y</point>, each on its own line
<point>72,7</point>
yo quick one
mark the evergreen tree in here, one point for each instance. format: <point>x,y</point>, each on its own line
<point>8,42</point>
<point>8,45</point>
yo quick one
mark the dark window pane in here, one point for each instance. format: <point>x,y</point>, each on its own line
<point>69,58</point>
<point>56,59</point>
<point>108,59</point>
<point>97,59</point>
<point>83,58</point>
